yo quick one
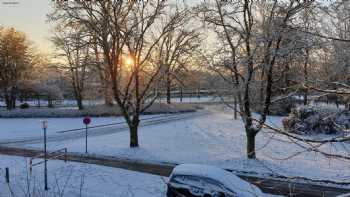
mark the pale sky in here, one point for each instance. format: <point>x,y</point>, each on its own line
<point>28,16</point>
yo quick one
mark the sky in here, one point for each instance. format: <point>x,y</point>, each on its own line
<point>29,17</point>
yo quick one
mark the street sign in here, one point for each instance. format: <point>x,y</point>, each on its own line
<point>87,120</point>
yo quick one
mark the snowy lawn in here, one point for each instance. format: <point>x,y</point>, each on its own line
<point>16,128</point>
<point>72,179</point>
<point>217,139</point>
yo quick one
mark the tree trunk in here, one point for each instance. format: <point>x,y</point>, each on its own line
<point>108,95</point>
<point>49,100</point>
<point>38,97</point>
<point>10,99</point>
<point>181,94</point>
<point>168,89</point>
<point>306,76</point>
<point>251,144</point>
<point>13,97</point>
<point>235,106</point>
<point>134,142</point>
<point>134,139</point>
<point>80,103</point>
<point>8,102</point>
<point>305,97</point>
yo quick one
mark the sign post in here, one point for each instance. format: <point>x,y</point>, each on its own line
<point>44,126</point>
<point>86,121</point>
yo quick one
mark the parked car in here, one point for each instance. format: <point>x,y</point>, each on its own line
<point>193,180</point>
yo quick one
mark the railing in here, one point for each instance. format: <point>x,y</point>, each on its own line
<point>51,155</point>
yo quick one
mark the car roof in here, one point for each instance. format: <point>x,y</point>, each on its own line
<point>228,179</point>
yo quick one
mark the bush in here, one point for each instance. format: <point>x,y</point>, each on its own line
<point>24,106</point>
<point>321,120</point>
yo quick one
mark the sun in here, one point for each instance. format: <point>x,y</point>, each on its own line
<point>129,61</point>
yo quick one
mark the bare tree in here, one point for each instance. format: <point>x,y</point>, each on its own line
<point>75,46</point>
<point>123,31</point>
<point>252,33</point>
<point>177,50</point>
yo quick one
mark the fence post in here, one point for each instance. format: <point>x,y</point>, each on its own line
<point>30,166</point>
<point>7,175</point>
<point>65,154</point>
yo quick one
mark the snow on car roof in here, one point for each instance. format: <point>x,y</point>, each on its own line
<point>229,180</point>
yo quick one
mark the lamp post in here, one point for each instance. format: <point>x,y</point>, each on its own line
<point>44,126</point>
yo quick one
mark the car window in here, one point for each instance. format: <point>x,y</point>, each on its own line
<point>197,181</point>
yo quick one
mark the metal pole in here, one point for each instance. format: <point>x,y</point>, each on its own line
<point>45,157</point>
<point>86,136</point>
<point>7,175</point>
<point>65,154</point>
<point>181,94</point>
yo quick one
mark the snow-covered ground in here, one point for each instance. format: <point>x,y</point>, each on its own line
<point>219,140</point>
<point>16,128</point>
<point>214,139</point>
<point>72,179</point>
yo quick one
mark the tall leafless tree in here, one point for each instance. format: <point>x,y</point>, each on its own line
<point>123,31</point>
<point>75,46</point>
<point>176,49</point>
<point>252,32</point>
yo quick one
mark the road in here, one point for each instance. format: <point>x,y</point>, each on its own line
<point>99,131</point>
<point>268,185</point>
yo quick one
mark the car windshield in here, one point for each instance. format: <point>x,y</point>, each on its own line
<point>197,181</point>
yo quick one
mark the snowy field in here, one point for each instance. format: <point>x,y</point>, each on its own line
<point>17,128</point>
<point>217,139</point>
<point>75,179</point>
